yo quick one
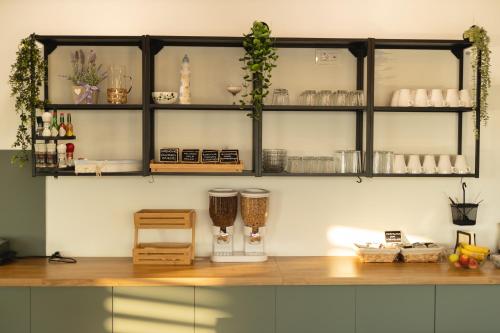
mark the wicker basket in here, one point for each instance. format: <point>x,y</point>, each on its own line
<point>430,254</point>
<point>377,255</point>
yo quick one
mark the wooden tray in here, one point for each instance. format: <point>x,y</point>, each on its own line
<point>188,167</point>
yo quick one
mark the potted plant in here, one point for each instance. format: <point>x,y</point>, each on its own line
<point>259,60</point>
<point>86,77</point>
<point>480,51</point>
<point>26,78</point>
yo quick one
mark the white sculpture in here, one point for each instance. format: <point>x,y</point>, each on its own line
<point>185,89</point>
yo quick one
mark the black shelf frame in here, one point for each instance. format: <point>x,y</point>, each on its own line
<point>360,48</point>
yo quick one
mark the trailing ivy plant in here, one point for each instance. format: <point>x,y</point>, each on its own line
<point>258,62</point>
<point>480,51</point>
<point>26,78</point>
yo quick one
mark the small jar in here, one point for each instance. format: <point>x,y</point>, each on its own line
<point>61,156</point>
<point>41,155</point>
<point>51,155</point>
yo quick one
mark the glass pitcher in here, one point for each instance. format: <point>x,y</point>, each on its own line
<point>118,87</point>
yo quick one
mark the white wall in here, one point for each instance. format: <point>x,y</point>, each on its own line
<point>309,216</point>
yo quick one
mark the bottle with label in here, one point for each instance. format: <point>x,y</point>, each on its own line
<point>69,126</point>
<point>54,127</point>
<point>62,125</point>
<point>70,150</point>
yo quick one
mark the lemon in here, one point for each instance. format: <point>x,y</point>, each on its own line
<point>453,257</point>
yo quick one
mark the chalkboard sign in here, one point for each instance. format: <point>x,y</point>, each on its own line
<point>209,156</point>
<point>190,156</point>
<point>230,156</point>
<point>169,155</point>
<point>393,236</point>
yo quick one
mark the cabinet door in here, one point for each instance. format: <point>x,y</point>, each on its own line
<point>14,310</point>
<point>397,309</point>
<point>153,309</point>
<point>75,310</point>
<point>467,309</point>
<point>318,309</point>
<point>235,309</point>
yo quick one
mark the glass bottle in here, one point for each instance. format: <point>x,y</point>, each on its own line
<point>62,125</point>
<point>54,127</point>
<point>69,126</point>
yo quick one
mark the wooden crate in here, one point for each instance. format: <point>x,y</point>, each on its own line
<point>164,253</point>
<point>190,168</point>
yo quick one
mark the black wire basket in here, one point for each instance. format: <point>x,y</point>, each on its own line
<point>464,213</point>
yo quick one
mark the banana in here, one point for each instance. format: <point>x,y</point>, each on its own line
<point>472,254</point>
<point>478,249</point>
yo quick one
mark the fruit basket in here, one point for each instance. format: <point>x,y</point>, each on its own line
<point>380,253</point>
<point>469,256</point>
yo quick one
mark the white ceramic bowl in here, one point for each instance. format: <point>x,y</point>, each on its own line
<point>164,97</point>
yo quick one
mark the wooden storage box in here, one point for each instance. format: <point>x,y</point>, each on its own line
<point>164,253</point>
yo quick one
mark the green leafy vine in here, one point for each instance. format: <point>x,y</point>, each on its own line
<point>26,77</point>
<point>480,48</point>
<point>259,60</point>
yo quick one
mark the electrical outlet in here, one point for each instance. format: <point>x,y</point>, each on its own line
<point>327,56</point>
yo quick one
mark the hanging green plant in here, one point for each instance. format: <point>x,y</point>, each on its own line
<point>258,62</point>
<point>480,51</point>
<point>26,78</point>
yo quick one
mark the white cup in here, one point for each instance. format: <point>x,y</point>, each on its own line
<point>405,98</point>
<point>421,98</point>
<point>465,99</point>
<point>429,164</point>
<point>399,165</point>
<point>437,99</point>
<point>461,166</point>
<point>452,98</point>
<point>414,165</point>
<point>395,98</point>
<point>444,165</point>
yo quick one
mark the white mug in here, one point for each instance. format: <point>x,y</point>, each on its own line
<point>421,98</point>
<point>405,98</point>
<point>399,165</point>
<point>437,99</point>
<point>461,166</point>
<point>444,165</point>
<point>395,98</point>
<point>465,98</point>
<point>452,98</point>
<point>414,165</point>
<point>429,165</point>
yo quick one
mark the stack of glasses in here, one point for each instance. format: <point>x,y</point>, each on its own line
<point>331,98</point>
<point>274,160</point>
<point>343,161</point>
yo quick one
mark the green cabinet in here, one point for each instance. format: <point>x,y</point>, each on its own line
<point>235,309</point>
<point>15,310</point>
<point>318,309</point>
<point>71,309</point>
<point>397,309</point>
<point>466,309</point>
<point>153,309</point>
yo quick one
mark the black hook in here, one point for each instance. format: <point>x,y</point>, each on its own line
<point>152,180</point>
<point>360,180</point>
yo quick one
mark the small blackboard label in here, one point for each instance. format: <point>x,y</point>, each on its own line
<point>209,156</point>
<point>393,236</point>
<point>230,156</point>
<point>169,155</point>
<point>190,156</point>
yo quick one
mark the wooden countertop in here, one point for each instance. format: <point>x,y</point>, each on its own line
<point>276,271</point>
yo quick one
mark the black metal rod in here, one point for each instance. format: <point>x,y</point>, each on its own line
<point>478,112</point>
<point>146,113</point>
<point>460,129</point>
<point>460,117</point>
<point>370,96</point>
<point>360,64</point>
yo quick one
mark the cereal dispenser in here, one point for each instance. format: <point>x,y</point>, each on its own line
<point>223,208</point>
<point>254,211</point>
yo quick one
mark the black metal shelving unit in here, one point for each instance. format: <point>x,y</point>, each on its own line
<point>362,49</point>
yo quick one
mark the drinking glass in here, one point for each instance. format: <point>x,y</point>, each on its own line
<point>274,160</point>
<point>308,97</point>
<point>341,98</point>
<point>295,164</point>
<point>324,98</point>
<point>348,161</point>
<point>280,97</point>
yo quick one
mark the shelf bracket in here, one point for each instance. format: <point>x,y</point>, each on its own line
<point>358,50</point>
<point>49,47</point>
<point>156,47</point>
<point>458,52</point>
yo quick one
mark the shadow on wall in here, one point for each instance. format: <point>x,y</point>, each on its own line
<point>22,207</point>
